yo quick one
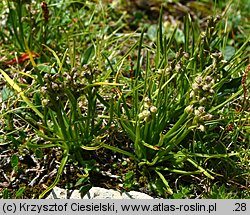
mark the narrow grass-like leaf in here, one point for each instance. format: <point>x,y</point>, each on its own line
<point>18,89</point>
<point>200,168</point>
<point>168,188</point>
<point>139,148</point>
<point>127,127</point>
<point>58,175</point>
<point>20,192</point>
<point>55,55</point>
<point>115,149</point>
<point>30,54</point>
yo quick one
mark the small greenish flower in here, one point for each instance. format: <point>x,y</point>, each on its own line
<point>177,67</point>
<point>203,101</point>
<point>54,86</point>
<point>167,71</point>
<point>55,77</point>
<point>159,71</point>
<point>208,116</point>
<point>195,87</point>
<point>208,79</point>
<point>186,55</point>
<point>141,116</point>
<point>44,90</point>
<point>201,109</point>
<point>189,109</point>
<point>192,94</point>
<point>203,34</point>
<point>45,102</point>
<point>202,128</point>
<point>198,79</point>
<point>147,102</point>
<point>46,77</point>
<point>147,119</point>
<point>196,112</point>
<point>153,109</point>
<point>146,113</point>
<point>211,91</point>
<point>206,87</point>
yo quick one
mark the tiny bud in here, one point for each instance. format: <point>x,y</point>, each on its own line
<point>159,71</point>
<point>217,55</point>
<point>73,70</point>
<point>76,75</point>
<point>178,54</point>
<point>147,102</point>
<point>167,70</point>
<point>65,74</point>
<point>87,74</point>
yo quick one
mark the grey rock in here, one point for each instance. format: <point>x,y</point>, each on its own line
<point>135,195</point>
<point>96,193</point>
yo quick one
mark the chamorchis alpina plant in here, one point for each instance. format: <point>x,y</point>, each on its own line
<point>201,96</point>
